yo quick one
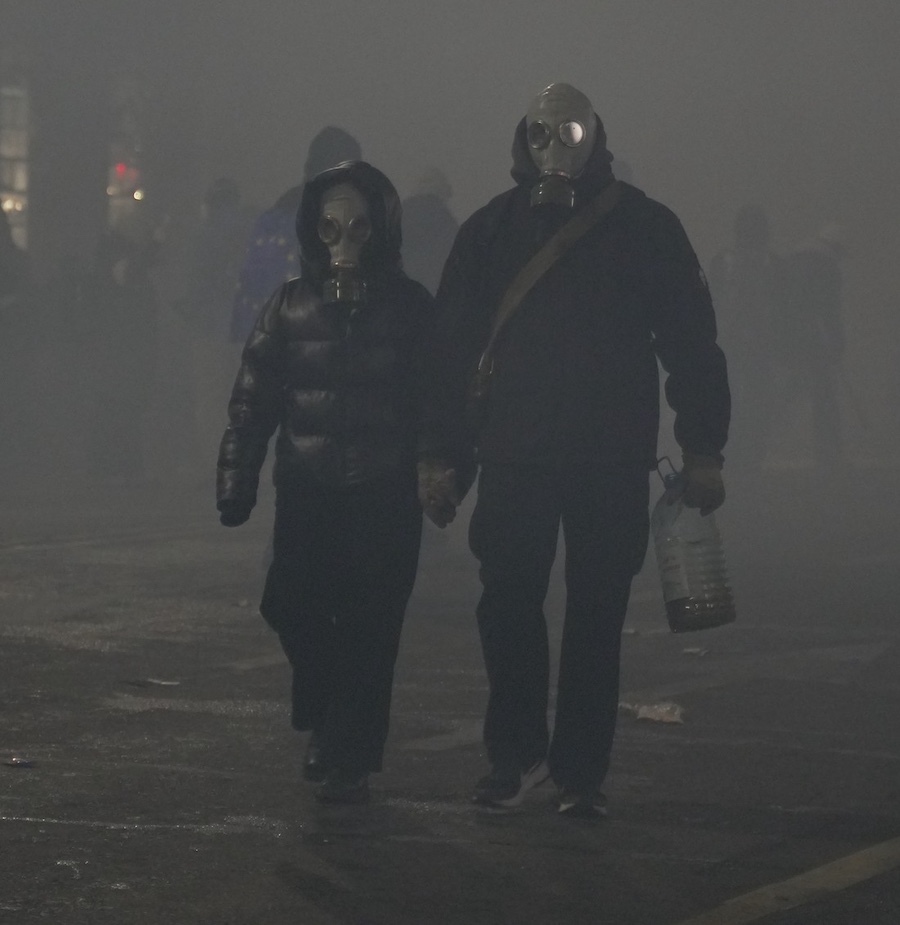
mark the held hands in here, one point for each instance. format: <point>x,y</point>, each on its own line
<point>702,481</point>
<point>437,491</point>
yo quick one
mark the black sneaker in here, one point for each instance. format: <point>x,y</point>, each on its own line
<point>342,788</point>
<point>313,767</point>
<point>507,786</point>
<point>578,804</point>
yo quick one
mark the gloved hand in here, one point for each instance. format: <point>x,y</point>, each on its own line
<point>233,513</point>
<point>437,491</point>
<point>702,481</point>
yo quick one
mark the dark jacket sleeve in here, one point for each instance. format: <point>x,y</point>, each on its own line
<point>254,409</point>
<point>684,330</point>
<point>460,331</point>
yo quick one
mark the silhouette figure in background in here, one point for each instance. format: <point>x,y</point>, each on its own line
<point>748,287</point>
<point>429,228</point>
<point>213,264</point>
<point>120,306</point>
<point>13,264</point>
<point>333,364</point>
<point>17,348</point>
<point>812,339</point>
<point>271,256</point>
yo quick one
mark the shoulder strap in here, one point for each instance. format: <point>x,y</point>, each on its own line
<point>553,249</point>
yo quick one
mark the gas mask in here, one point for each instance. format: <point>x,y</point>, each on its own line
<point>561,130</point>
<point>344,227</point>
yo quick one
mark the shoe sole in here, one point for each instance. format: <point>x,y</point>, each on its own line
<point>315,773</point>
<point>533,777</point>
<point>582,810</point>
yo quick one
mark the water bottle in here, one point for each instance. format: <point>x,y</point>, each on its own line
<point>691,563</point>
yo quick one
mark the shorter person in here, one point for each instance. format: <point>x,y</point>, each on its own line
<point>332,363</point>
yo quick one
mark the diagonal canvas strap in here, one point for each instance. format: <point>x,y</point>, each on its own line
<point>540,263</point>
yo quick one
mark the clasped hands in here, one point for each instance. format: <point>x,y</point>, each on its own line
<point>438,493</point>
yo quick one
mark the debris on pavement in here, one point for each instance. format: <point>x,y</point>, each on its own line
<point>695,650</point>
<point>151,682</point>
<point>72,865</point>
<point>17,762</point>
<point>665,712</point>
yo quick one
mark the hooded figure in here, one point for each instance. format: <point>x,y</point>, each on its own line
<point>333,364</point>
<point>568,430</point>
<point>749,288</point>
<point>271,253</point>
<point>812,341</point>
<point>429,228</point>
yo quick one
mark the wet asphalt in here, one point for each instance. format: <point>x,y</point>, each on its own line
<point>148,773</point>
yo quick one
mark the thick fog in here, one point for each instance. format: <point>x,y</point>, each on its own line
<point>710,104</point>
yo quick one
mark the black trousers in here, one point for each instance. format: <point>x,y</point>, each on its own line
<point>344,564</point>
<point>513,533</point>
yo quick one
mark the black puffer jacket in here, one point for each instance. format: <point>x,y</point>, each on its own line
<point>575,370</point>
<point>341,384</point>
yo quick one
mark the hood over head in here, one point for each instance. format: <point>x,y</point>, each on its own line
<point>331,146</point>
<point>381,253</point>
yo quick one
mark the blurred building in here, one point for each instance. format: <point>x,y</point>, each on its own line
<point>87,139</point>
<point>15,138</point>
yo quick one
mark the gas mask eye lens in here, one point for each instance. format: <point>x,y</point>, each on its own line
<point>360,228</point>
<point>571,134</point>
<point>329,230</point>
<point>538,135</point>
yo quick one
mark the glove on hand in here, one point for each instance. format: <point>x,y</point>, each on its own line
<point>233,513</point>
<point>437,491</point>
<point>703,485</point>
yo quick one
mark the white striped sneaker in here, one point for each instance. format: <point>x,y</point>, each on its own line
<point>507,787</point>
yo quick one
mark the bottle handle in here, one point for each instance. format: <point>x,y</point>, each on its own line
<point>673,483</point>
<point>669,479</point>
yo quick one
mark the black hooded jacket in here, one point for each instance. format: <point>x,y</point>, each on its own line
<point>575,369</point>
<point>340,382</point>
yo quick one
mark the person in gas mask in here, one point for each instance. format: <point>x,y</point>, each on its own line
<point>556,301</point>
<point>333,364</point>
<point>271,256</point>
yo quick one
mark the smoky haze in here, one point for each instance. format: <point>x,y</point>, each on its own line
<point>712,104</point>
<point>134,667</point>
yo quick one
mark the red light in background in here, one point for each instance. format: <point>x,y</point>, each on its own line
<point>121,168</point>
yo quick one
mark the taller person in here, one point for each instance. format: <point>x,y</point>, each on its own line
<point>557,299</point>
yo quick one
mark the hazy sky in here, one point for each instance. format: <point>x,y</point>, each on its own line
<point>795,105</point>
<point>712,102</point>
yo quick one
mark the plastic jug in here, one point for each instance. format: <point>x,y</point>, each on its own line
<point>691,563</point>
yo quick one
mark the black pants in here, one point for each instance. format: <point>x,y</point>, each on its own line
<point>344,564</point>
<point>513,533</point>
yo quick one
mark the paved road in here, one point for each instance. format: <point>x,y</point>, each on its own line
<point>138,679</point>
